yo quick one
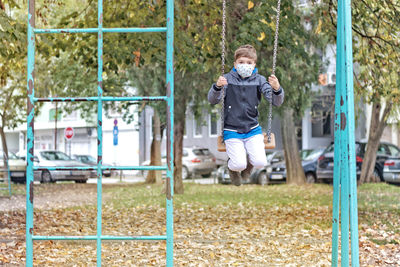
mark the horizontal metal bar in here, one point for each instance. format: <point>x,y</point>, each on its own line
<point>95,30</point>
<point>135,30</point>
<point>91,168</point>
<point>104,98</point>
<point>103,237</point>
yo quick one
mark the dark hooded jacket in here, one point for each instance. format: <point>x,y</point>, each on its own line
<point>242,97</point>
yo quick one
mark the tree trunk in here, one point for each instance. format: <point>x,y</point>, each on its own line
<point>179,129</point>
<point>294,169</point>
<point>376,128</point>
<point>5,154</point>
<point>55,128</point>
<point>155,153</point>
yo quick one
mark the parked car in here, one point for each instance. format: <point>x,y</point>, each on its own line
<point>309,159</point>
<point>385,151</point>
<point>195,160</point>
<point>91,161</point>
<point>52,158</point>
<point>17,168</point>
<point>275,171</point>
<point>257,176</point>
<point>391,170</point>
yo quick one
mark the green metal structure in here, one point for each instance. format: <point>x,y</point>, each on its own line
<point>345,178</point>
<point>345,183</point>
<point>169,99</point>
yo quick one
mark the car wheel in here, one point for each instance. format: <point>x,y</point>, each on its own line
<point>310,178</point>
<point>46,177</point>
<point>84,181</point>
<point>262,178</point>
<point>185,173</point>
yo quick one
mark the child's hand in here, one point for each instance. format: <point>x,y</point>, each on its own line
<point>274,82</point>
<point>222,81</point>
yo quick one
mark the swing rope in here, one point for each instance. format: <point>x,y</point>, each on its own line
<point>275,52</point>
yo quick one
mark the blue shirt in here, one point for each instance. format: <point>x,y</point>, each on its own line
<point>232,134</point>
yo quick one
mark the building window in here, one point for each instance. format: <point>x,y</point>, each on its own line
<point>197,128</point>
<point>321,123</point>
<point>52,114</point>
<point>213,124</point>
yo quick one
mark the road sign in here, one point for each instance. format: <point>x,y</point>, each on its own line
<point>69,133</point>
<point>115,133</point>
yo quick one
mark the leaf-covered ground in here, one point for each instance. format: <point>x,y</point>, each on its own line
<point>214,225</point>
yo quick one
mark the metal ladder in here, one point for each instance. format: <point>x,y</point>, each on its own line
<point>169,99</point>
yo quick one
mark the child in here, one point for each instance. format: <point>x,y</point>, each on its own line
<point>242,133</point>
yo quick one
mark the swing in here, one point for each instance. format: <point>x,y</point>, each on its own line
<point>269,137</point>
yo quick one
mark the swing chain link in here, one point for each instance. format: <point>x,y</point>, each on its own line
<point>223,33</point>
<point>278,12</point>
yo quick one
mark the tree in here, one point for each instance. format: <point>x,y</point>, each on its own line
<point>12,69</point>
<point>376,27</point>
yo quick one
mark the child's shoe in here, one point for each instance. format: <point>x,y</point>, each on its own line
<point>247,172</point>
<point>235,177</point>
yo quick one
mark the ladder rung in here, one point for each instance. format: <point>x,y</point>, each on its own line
<point>104,98</point>
<point>91,168</point>
<point>94,30</point>
<point>103,237</point>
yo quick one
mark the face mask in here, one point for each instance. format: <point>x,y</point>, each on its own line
<point>245,70</point>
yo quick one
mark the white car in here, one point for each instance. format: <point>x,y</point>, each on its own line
<point>17,168</point>
<point>52,158</point>
<point>195,160</point>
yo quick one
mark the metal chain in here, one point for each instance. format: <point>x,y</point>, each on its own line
<point>223,64</point>
<point>223,33</point>
<point>278,12</point>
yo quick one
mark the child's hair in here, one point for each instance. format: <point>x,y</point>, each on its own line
<point>246,51</point>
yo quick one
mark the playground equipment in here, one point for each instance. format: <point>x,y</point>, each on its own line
<point>169,98</point>
<point>345,185</point>
<point>345,178</point>
<point>269,138</point>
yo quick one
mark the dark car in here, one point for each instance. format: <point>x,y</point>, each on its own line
<point>309,159</point>
<point>91,161</point>
<point>391,170</point>
<point>275,171</point>
<point>385,151</point>
<point>258,176</point>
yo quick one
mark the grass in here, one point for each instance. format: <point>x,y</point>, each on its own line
<point>16,189</point>
<point>371,197</point>
<point>271,220</point>
<point>214,195</point>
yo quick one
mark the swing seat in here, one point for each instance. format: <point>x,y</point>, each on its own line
<point>267,145</point>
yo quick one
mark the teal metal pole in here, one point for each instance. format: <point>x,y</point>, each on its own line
<point>351,138</point>
<point>30,135</point>
<point>104,237</point>
<point>337,143</point>
<point>345,175</point>
<point>95,30</point>
<point>170,132</point>
<point>344,155</point>
<point>99,126</point>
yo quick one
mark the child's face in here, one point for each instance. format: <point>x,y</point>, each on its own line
<point>245,60</point>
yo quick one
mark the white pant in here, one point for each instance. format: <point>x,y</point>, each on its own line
<point>238,149</point>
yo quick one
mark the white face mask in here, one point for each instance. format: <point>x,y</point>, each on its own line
<point>245,70</point>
